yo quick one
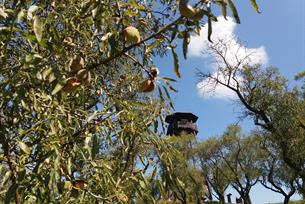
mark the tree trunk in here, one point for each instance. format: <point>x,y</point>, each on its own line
<point>286,200</point>
<point>247,199</point>
<point>222,199</point>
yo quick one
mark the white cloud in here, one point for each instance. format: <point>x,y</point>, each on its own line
<point>220,92</point>
<point>223,30</point>
<point>207,88</point>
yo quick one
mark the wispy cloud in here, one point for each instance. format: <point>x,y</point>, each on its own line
<point>211,91</point>
<point>223,30</point>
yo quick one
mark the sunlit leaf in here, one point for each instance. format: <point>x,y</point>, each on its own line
<point>31,11</point>
<point>21,14</point>
<point>176,62</point>
<point>57,88</point>
<point>6,177</point>
<point>3,13</point>
<point>168,95</point>
<point>24,147</point>
<point>224,9</point>
<point>255,6</point>
<point>169,79</point>
<point>38,28</point>
<point>234,11</point>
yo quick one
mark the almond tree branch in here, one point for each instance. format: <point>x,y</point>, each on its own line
<point>124,50</point>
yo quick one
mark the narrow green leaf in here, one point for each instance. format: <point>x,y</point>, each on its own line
<point>10,193</point>
<point>160,94</point>
<point>169,79</point>
<point>25,106</point>
<point>168,97</point>
<point>174,33</point>
<point>142,159</point>
<point>234,11</point>
<point>224,9</point>
<point>170,86</point>
<point>46,73</point>
<point>24,147</point>
<point>142,184</point>
<point>31,11</point>
<point>161,188</point>
<point>57,88</point>
<point>154,172</point>
<point>5,178</point>
<point>69,166</point>
<point>3,14</point>
<point>95,146</point>
<point>186,41</point>
<point>20,15</point>
<point>176,63</point>
<point>210,29</point>
<point>180,183</point>
<point>38,28</point>
<point>255,6</point>
<point>210,19</point>
<point>53,129</point>
<point>92,116</point>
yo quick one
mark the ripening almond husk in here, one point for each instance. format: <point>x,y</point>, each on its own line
<point>147,86</point>
<point>131,35</point>
<point>71,84</point>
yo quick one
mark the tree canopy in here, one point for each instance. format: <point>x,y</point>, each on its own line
<point>267,98</point>
<point>80,104</point>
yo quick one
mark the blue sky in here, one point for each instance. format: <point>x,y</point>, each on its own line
<point>280,30</point>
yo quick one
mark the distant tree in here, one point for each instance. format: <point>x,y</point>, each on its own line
<point>191,186</point>
<point>267,99</point>
<point>243,156</point>
<point>232,159</point>
<point>277,176</point>
<point>213,166</point>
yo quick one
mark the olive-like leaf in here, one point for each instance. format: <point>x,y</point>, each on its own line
<point>6,177</point>
<point>255,6</point>
<point>95,146</point>
<point>24,147</point>
<point>57,88</point>
<point>169,79</point>
<point>160,94</point>
<point>234,11</point>
<point>168,95</point>
<point>224,9</point>
<point>174,33</point>
<point>3,14</point>
<point>176,62</point>
<point>31,11</point>
<point>210,29</point>
<point>185,43</point>
<point>154,172</point>
<point>38,28</point>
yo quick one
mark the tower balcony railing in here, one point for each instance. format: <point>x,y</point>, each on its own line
<point>187,125</point>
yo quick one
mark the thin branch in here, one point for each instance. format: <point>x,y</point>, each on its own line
<point>124,50</point>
